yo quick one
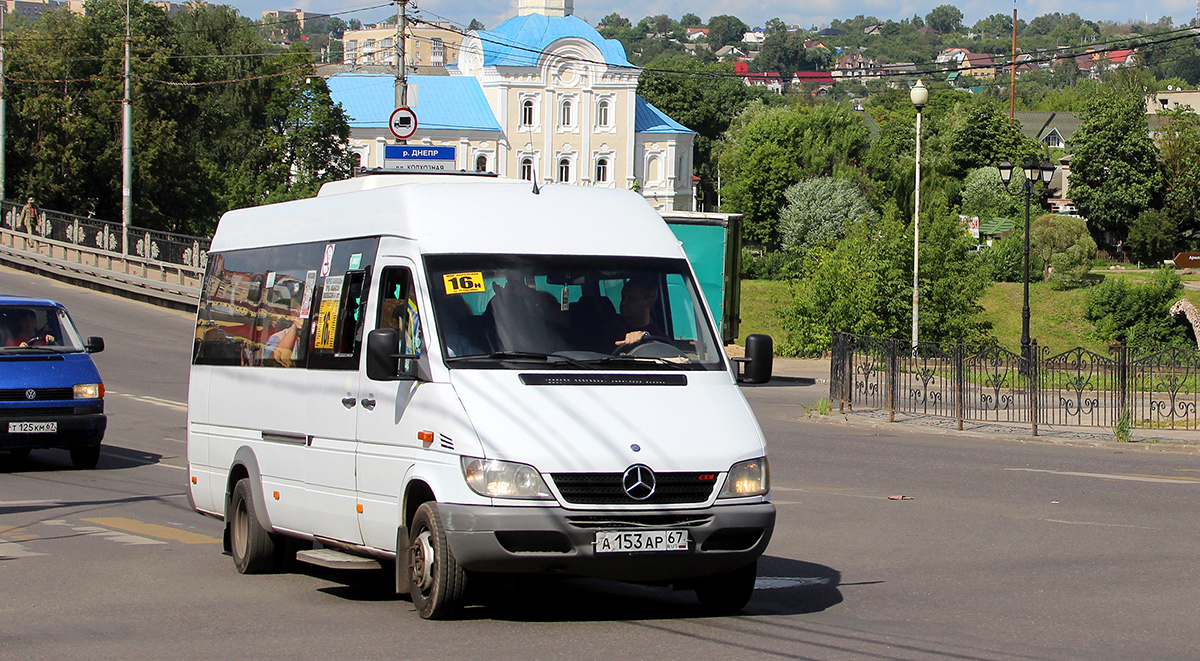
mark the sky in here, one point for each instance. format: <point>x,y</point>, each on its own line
<point>806,14</point>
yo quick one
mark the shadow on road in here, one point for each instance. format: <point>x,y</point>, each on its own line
<point>785,587</point>
<point>112,457</point>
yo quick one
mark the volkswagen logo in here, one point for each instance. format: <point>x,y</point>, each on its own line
<point>30,394</point>
<point>638,482</point>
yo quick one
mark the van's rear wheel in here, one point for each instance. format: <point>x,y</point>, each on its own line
<point>437,583</point>
<point>85,457</point>
<point>728,592</point>
<point>254,550</point>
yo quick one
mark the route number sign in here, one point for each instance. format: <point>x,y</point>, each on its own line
<point>403,123</point>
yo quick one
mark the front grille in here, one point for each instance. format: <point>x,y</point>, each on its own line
<point>652,521</point>
<point>606,489</point>
<point>22,394</point>
<point>36,413</point>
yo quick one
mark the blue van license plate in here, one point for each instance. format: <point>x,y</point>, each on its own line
<point>33,427</point>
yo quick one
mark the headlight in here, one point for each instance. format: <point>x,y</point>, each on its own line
<point>89,390</point>
<point>504,479</point>
<point>748,478</point>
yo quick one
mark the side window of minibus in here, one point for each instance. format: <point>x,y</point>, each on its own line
<point>398,310</point>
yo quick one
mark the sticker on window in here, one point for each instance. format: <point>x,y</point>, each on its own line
<point>327,313</point>
<point>463,283</point>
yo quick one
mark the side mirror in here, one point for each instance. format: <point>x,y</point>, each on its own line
<point>760,353</point>
<point>94,344</point>
<point>382,356</point>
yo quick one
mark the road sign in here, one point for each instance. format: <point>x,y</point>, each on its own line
<point>1187,260</point>
<point>403,123</point>
<point>420,158</point>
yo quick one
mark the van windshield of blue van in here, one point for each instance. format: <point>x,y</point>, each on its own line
<point>570,312</point>
<point>37,329</point>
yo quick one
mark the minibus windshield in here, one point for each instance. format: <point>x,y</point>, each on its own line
<point>570,312</point>
<point>37,329</point>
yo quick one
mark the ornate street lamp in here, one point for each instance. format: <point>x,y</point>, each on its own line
<point>1032,172</point>
<point>919,95</point>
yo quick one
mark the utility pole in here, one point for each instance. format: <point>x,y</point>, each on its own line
<point>3,113</point>
<point>401,75</point>
<point>126,146</point>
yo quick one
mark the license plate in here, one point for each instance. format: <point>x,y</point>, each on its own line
<point>641,540</point>
<point>32,427</point>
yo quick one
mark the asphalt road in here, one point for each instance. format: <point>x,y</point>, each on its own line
<point>1004,550</point>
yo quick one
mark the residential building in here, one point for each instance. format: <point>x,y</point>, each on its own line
<point>979,65</point>
<point>425,45</point>
<point>697,33</point>
<point>1173,99</point>
<point>542,97</point>
<point>856,65</point>
<point>727,53</point>
<point>298,15</point>
<point>951,58</point>
<point>754,37</point>
<point>768,79</point>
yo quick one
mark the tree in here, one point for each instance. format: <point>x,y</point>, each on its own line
<point>784,52</point>
<point>690,20</point>
<point>766,150</point>
<point>705,99</point>
<point>994,25</point>
<point>984,195</point>
<point>984,136</point>
<point>724,30</point>
<point>1179,154</point>
<point>475,24</point>
<point>1114,173</point>
<point>820,210</point>
<point>944,19</point>
<point>1152,236</point>
<point>1062,243</point>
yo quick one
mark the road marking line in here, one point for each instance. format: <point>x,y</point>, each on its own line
<point>111,535</point>
<point>13,550</point>
<point>1162,479</point>
<point>156,401</point>
<point>154,530</point>
<point>18,503</point>
<point>1093,523</point>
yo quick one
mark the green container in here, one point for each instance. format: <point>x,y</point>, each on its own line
<point>712,242</point>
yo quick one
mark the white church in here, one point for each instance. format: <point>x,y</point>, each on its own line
<point>542,97</point>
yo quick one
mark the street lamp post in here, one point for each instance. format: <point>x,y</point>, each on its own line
<point>1033,173</point>
<point>919,95</point>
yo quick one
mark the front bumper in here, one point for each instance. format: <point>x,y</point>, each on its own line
<point>78,426</point>
<point>559,541</point>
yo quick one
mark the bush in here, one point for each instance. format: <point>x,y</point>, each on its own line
<point>1004,261</point>
<point>758,264</point>
<point>1137,313</point>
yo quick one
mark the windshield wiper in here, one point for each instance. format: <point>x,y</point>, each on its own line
<point>528,356</point>
<point>636,360</point>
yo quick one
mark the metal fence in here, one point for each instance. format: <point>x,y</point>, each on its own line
<point>152,264</point>
<point>1150,388</point>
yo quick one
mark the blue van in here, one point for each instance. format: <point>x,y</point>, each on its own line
<point>51,395</point>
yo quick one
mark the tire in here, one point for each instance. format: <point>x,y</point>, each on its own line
<point>86,457</point>
<point>437,584</point>
<point>728,592</point>
<point>254,550</point>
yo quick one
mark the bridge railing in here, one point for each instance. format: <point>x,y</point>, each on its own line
<point>148,264</point>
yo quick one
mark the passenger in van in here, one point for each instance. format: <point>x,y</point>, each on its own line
<point>24,332</point>
<point>461,328</point>
<point>638,297</point>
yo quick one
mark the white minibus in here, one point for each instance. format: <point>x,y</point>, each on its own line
<point>465,375</point>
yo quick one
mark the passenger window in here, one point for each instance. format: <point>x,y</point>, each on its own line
<point>398,310</point>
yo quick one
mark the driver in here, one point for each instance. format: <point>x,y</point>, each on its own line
<point>25,331</point>
<point>638,297</point>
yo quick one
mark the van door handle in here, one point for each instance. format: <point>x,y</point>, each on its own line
<point>368,404</point>
<point>348,402</point>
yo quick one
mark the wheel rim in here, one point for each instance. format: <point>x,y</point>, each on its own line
<point>422,561</point>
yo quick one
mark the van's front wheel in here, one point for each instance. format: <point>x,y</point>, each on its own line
<point>728,592</point>
<point>437,582</point>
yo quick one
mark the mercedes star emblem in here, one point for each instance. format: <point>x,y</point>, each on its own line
<point>638,482</point>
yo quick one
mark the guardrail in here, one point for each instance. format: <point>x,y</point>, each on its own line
<point>160,267</point>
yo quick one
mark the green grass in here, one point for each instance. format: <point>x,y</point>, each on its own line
<point>762,300</point>
<point>1055,317</point>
